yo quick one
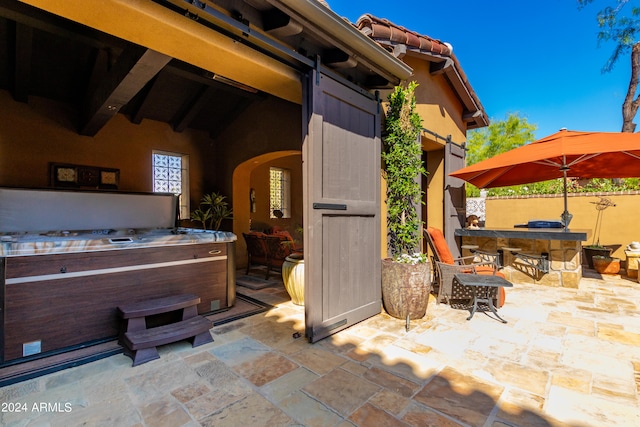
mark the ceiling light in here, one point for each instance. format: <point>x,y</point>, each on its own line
<point>234,83</point>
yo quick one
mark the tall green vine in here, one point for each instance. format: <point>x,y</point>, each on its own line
<point>402,157</point>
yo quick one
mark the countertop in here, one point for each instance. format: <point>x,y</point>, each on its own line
<point>526,233</point>
<point>21,244</point>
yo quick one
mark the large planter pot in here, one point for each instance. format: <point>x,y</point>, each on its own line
<point>293,277</point>
<point>590,252</point>
<point>405,289</point>
<point>606,265</point>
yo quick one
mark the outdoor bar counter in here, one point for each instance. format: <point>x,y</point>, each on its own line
<point>60,289</point>
<point>548,256</point>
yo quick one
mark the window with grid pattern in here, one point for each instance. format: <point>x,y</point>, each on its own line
<point>279,192</point>
<point>170,175</point>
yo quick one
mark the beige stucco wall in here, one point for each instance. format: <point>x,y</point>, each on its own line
<point>619,224</point>
<point>441,112</point>
<point>260,183</point>
<point>440,109</point>
<point>267,134</point>
<point>33,135</point>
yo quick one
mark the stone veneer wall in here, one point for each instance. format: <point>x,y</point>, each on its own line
<point>565,259</point>
<point>620,225</point>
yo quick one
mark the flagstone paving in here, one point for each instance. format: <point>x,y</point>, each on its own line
<point>566,357</point>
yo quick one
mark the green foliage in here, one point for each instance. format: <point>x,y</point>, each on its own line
<point>213,208</point>
<point>202,216</point>
<point>618,27</point>
<point>413,259</point>
<point>402,157</point>
<point>499,137</point>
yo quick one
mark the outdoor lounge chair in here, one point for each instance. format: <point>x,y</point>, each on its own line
<point>446,267</point>
<point>269,250</point>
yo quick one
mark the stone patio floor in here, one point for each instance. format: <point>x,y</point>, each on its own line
<point>567,357</point>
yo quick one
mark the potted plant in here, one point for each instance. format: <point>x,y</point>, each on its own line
<point>293,271</point>
<point>293,277</point>
<point>212,211</point>
<point>595,248</point>
<point>406,273</point>
<point>606,264</point>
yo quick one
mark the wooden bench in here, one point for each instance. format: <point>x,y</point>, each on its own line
<point>140,342</point>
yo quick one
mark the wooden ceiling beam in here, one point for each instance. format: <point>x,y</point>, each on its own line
<point>194,108</point>
<point>229,117</point>
<point>146,102</point>
<point>134,68</point>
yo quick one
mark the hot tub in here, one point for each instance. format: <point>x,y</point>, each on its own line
<point>61,288</point>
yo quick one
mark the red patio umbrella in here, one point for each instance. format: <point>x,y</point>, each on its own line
<point>565,153</point>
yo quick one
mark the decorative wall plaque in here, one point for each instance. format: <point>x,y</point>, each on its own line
<point>78,176</point>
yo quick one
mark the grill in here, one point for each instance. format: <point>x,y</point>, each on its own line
<point>541,223</point>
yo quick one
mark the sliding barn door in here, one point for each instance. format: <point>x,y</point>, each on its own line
<point>455,198</point>
<point>341,173</point>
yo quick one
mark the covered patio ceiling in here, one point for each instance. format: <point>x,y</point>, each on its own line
<point>115,57</point>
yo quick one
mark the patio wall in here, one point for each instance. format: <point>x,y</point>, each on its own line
<point>43,131</point>
<point>619,224</point>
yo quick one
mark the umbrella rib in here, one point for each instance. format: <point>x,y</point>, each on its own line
<point>583,158</point>
<point>480,173</point>
<point>547,162</point>
<point>635,156</point>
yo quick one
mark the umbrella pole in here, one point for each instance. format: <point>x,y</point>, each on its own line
<point>566,216</point>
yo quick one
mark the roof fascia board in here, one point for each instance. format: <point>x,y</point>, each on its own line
<point>327,24</point>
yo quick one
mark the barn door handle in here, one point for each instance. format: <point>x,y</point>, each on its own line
<point>333,206</point>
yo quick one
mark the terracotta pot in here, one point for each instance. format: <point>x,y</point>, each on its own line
<point>293,277</point>
<point>590,252</point>
<point>405,289</point>
<point>606,265</point>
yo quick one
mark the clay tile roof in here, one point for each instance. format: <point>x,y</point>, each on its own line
<point>383,29</point>
<point>387,34</point>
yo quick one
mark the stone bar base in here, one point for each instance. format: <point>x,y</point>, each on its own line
<point>632,263</point>
<point>565,259</point>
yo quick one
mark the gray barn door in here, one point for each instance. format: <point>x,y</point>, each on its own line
<point>341,174</point>
<point>455,199</point>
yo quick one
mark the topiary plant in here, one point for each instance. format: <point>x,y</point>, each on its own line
<point>403,167</point>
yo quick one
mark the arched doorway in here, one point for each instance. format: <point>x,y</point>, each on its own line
<point>253,174</point>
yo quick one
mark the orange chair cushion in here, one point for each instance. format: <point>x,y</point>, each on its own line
<point>284,233</point>
<point>441,245</point>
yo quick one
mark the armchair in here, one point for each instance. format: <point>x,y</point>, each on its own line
<point>446,266</point>
<point>256,250</point>
<point>269,250</point>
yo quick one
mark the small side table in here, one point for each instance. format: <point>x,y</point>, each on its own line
<point>482,284</point>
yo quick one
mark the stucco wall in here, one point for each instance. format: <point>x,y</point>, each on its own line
<point>440,109</point>
<point>269,126</point>
<point>441,112</point>
<point>619,224</point>
<point>43,131</point>
<point>260,183</point>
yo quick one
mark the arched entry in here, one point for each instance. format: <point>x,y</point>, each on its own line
<point>242,185</point>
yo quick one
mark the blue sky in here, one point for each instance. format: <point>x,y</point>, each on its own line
<point>540,59</point>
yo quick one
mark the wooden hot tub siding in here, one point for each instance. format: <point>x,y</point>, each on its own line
<point>68,299</point>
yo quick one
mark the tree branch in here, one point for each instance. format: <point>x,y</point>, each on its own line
<point>630,105</point>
